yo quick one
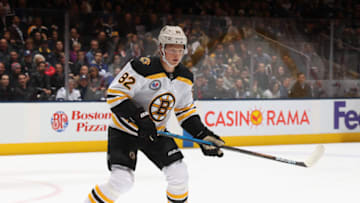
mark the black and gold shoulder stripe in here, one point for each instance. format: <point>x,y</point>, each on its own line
<point>147,66</point>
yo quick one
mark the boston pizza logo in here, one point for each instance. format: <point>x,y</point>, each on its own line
<point>59,121</point>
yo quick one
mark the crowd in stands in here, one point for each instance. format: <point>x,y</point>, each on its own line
<point>232,53</point>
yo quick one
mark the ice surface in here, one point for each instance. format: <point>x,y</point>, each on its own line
<point>238,178</point>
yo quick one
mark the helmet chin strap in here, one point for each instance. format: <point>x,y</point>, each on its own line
<point>164,58</point>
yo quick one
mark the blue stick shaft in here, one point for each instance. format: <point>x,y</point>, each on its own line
<point>167,134</point>
<point>266,156</point>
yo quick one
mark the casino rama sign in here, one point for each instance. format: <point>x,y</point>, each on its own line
<point>256,117</point>
<point>82,120</point>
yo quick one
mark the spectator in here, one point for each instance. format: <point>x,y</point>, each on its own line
<point>29,45</point>
<point>74,36</point>
<point>46,52</point>
<point>238,91</point>
<point>254,92</point>
<point>14,57</point>
<point>17,31</point>
<point>15,71</point>
<point>103,42</point>
<point>41,82</point>
<point>285,87</point>
<point>123,52</point>
<point>58,79</point>
<point>73,94</point>
<point>318,91</point>
<point>58,51</point>
<point>219,92</point>
<point>81,61</point>
<point>136,50</point>
<point>23,92</point>
<point>200,87</point>
<point>261,57</point>
<point>62,62</point>
<point>211,81</point>
<point>4,51</point>
<point>127,25</point>
<point>85,90</point>
<point>244,55</point>
<point>2,69</point>
<point>84,70</point>
<point>53,39</point>
<point>38,27</point>
<point>261,77</point>
<point>280,73</point>
<point>231,55</point>
<point>27,61</point>
<point>117,63</point>
<point>94,46</point>
<point>98,62</point>
<point>38,58</point>
<point>150,45</point>
<point>96,83</point>
<point>273,91</point>
<point>228,77</point>
<point>300,89</point>
<point>6,91</point>
<point>76,47</point>
<point>37,39</point>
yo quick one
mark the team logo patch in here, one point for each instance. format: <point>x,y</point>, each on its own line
<point>145,60</point>
<point>161,105</point>
<point>154,85</point>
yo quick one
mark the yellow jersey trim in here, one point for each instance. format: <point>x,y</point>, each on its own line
<point>185,80</point>
<point>177,197</point>
<point>112,91</point>
<point>116,122</point>
<point>110,101</point>
<point>91,199</point>
<point>180,118</point>
<point>156,76</point>
<point>185,108</point>
<point>98,191</point>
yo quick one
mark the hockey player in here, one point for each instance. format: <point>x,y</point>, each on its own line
<point>141,98</point>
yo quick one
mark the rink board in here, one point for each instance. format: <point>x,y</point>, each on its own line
<point>31,128</point>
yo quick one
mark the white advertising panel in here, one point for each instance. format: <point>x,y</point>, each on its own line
<point>87,121</point>
<point>52,122</point>
<point>280,117</point>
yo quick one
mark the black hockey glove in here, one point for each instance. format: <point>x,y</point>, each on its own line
<point>209,150</point>
<point>147,128</point>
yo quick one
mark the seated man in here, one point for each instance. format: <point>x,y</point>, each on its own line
<point>74,94</point>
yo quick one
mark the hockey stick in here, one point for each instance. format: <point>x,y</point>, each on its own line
<point>313,158</point>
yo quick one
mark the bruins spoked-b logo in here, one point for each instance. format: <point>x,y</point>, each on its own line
<point>161,105</point>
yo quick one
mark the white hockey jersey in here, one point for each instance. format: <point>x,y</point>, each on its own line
<point>146,83</point>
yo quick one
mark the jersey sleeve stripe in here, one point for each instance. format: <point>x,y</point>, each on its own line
<point>156,76</point>
<point>98,191</point>
<point>177,197</point>
<point>97,198</point>
<point>189,113</point>
<point>116,122</point>
<point>160,128</point>
<point>110,101</point>
<point>185,80</point>
<point>184,109</point>
<point>112,91</point>
<point>126,121</point>
<point>91,198</point>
